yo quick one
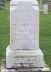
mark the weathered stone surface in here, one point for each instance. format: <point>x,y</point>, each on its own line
<point>23,69</point>
<point>24,35</point>
<point>45,8</point>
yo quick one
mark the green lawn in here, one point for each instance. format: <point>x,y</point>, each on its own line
<point>4,30</point>
<point>45,34</point>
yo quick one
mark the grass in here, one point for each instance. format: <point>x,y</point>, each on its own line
<point>4,30</point>
<point>45,34</point>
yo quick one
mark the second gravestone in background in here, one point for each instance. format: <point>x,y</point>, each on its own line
<point>24,35</point>
<point>45,8</point>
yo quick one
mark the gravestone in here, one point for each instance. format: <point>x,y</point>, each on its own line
<point>24,50</point>
<point>2,4</point>
<point>41,5</point>
<point>45,8</point>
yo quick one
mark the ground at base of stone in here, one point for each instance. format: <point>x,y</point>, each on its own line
<point>23,69</point>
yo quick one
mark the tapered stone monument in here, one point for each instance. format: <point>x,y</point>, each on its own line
<point>24,50</point>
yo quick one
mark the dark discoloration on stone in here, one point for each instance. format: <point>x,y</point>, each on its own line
<point>22,69</point>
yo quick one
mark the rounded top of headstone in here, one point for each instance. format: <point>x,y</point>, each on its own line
<point>35,2</point>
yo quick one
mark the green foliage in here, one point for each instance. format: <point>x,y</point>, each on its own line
<point>4,30</point>
<point>45,36</point>
<point>8,0</point>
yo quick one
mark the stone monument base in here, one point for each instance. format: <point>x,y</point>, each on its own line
<point>24,58</point>
<point>23,69</point>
